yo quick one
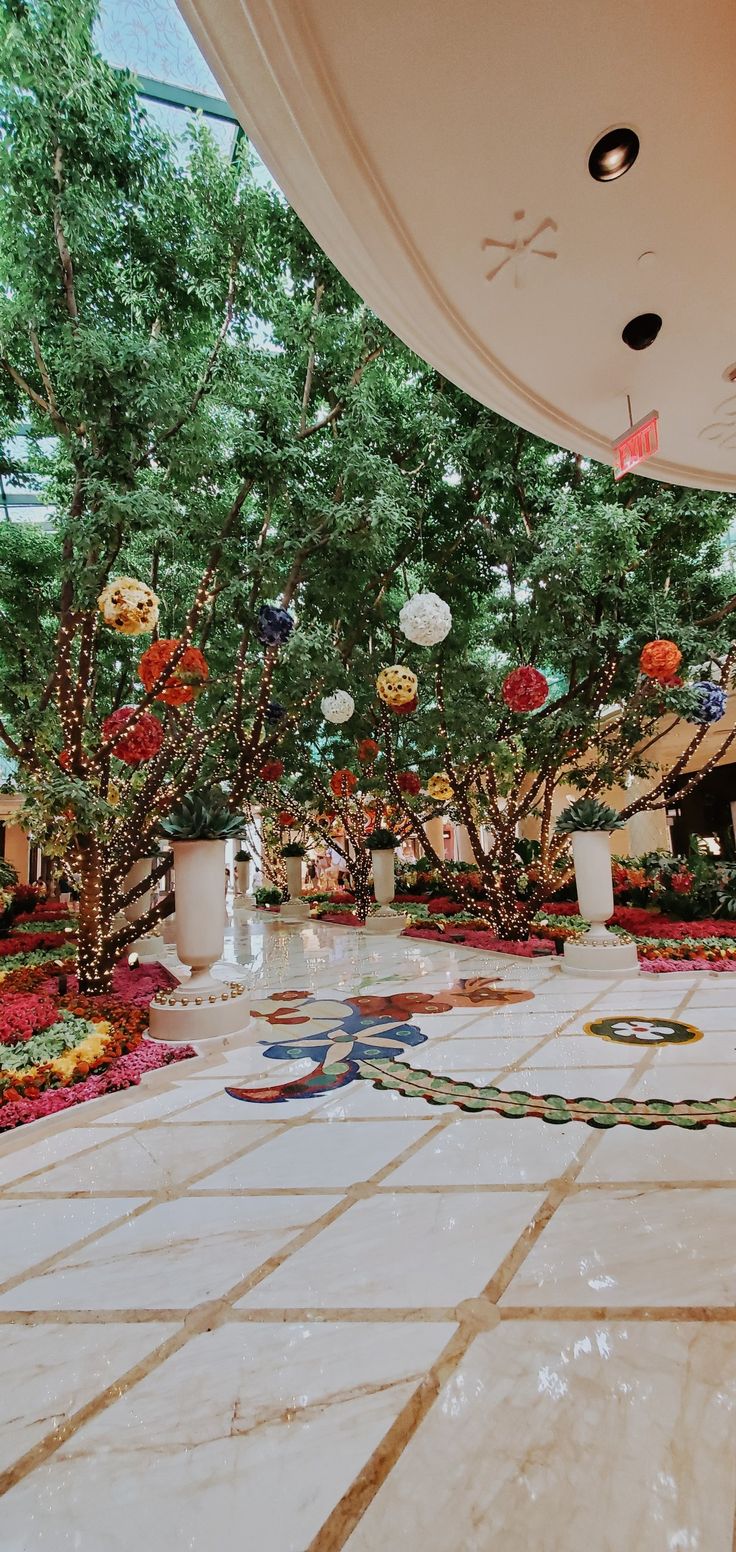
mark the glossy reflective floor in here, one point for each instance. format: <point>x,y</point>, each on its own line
<point>358,1319</point>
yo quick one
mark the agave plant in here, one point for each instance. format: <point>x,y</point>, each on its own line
<point>203,816</point>
<point>382,840</point>
<point>588,814</point>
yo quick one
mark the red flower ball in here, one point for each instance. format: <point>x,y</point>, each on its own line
<point>286,819</point>
<point>187,679</point>
<point>660,659</point>
<point>343,783</point>
<point>408,781</point>
<point>272,770</point>
<point>141,743</point>
<point>65,759</point>
<point>407,708</point>
<point>367,750</point>
<point>524,689</point>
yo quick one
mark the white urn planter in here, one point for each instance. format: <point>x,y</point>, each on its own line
<point>384,888</point>
<point>242,877</point>
<point>148,947</point>
<point>295,909</point>
<point>599,952</point>
<point>201,1007</point>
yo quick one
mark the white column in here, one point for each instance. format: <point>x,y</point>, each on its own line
<point>648,830</point>
<point>434,831</point>
<point>463,847</point>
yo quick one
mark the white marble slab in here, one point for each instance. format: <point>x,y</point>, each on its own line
<point>633,1247</point>
<point>171,1257</point>
<point>48,1372</point>
<point>246,1437</point>
<point>401,1250</point>
<point>495,1152</point>
<point>32,1231</point>
<point>319,1154</point>
<point>28,1155</point>
<point>571,1437</point>
<point>155,1159</point>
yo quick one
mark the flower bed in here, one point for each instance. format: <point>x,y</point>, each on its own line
<point>58,1050</point>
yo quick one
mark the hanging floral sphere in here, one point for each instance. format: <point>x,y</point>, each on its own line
<point>274,625</point>
<point>286,820</point>
<point>343,783</point>
<point>367,750</point>
<point>187,679</point>
<point>660,659</point>
<point>396,685</point>
<point>274,712</point>
<point>711,702</point>
<point>338,707</point>
<point>407,710</point>
<point>425,619</point>
<point>440,787</point>
<point>272,770</point>
<point>113,794</point>
<point>129,606</point>
<point>141,743</point>
<point>409,782</point>
<point>525,689</point>
<point>65,759</point>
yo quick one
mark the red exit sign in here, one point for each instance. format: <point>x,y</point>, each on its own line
<point>637,444</point>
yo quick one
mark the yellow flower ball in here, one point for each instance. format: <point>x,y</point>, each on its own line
<point>397,686</point>
<point>129,606</point>
<point>440,787</point>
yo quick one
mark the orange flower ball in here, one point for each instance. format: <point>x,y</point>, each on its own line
<point>660,659</point>
<point>187,679</point>
<point>343,783</point>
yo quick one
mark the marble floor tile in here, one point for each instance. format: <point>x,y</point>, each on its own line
<point>319,1154</point>
<point>576,1049</point>
<point>171,1257</point>
<point>401,1250</point>
<point>723,1019</point>
<point>247,1437</point>
<point>571,1437</point>
<point>154,1108</point>
<point>492,1055</point>
<point>669,1154</point>
<point>574,1082</point>
<point>31,1231</point>
<point>633,1247</point>
<point>48,1373</point>
<point>154,1159</point>
<point>685,1080</point>
<point>26,1154</point>
<point>496,1152</point>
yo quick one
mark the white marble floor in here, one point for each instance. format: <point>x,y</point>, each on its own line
<point>357,1319</point>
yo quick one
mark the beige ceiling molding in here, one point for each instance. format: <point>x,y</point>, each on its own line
<point>439,153</point>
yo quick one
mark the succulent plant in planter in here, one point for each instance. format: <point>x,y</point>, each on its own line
<point>243,856</point>
<point>293,849</point>
<point>203,816</point>
<point>382,840</point>
<point>588,814</point>
<point>268,895</point>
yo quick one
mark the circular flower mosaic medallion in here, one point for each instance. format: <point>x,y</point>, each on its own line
<point>637,1029</point>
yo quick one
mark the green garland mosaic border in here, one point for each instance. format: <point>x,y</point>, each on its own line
<point>556,1109</point>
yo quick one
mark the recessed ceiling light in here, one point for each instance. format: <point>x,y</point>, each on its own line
<point>613,155</point>
<point>641,331</point>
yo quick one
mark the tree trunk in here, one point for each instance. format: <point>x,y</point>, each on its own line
<point>94,955</point>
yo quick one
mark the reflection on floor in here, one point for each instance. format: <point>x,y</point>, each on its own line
<point>351,1316</point>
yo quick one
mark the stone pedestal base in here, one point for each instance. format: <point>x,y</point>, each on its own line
<point>149,948</point>
<point>600,956</point>
<point>200,1008</point>
<point>386,921</point>
<point>295,911</point>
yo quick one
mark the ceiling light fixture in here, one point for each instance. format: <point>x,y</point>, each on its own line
<point>642,331</point>
<point>613,155</point>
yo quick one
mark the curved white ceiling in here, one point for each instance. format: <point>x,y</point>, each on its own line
<point>406,132</point>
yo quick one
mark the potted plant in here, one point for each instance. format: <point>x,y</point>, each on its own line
<point>198,828</point>
<point>589,824</point>
<point>268,897</point>
<point>382,846</point>
<point>243,860</point>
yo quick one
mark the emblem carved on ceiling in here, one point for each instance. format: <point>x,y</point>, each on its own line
<point>723,429</point>
<point>519,250</point>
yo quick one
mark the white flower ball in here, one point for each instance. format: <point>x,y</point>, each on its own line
<point>338,707</point>
<point>425,619</point>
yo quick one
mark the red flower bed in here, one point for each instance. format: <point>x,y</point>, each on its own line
<point>475,937</point>
<point>23,1015</point>
<point>26,942</point>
